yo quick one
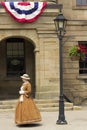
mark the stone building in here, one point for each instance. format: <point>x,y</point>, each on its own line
<point>33,48</point>
<point>30,48</point>
<point>74,72</point>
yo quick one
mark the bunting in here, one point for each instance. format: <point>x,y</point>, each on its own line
<point>24,11</point>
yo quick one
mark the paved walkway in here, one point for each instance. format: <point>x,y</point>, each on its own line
<point>77,120</point>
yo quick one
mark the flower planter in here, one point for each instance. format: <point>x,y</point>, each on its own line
<point>75,58</point>
<point>77,52</point>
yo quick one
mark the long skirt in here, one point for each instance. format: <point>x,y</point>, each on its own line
<point>26,111</point>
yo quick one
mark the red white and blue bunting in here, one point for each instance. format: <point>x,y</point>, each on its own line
<point>24,11</point>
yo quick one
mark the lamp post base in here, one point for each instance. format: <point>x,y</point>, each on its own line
<point>60,122</point>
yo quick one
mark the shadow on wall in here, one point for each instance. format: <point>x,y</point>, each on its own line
<point>84,102</point>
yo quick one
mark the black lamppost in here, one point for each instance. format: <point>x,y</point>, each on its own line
<point>60,24</point>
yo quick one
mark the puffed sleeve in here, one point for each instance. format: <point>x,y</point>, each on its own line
<point>27,88</point>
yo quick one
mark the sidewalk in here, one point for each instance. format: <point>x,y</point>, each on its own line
<point>77,120</point>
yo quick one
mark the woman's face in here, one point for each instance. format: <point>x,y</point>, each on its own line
<point>24,80</point>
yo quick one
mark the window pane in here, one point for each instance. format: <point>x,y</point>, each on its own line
<point>15,57</point>
<point>81,2</point>
<point>15,66</point>
<point>84,2</point>
<point>78,2</point>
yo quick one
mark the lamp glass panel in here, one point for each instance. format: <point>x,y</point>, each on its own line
<point>57,25</point>
<point>60,24</point>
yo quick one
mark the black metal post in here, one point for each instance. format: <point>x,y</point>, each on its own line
<point>61,118</point>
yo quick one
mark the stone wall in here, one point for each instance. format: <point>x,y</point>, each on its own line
<point>75,86</point>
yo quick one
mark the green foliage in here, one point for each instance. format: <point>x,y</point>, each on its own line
<point>76,51</point>
<point>73,51</point>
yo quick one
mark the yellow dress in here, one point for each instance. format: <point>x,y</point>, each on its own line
<point>26,110</point>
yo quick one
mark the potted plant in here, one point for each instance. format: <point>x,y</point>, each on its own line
<point>77,52</point>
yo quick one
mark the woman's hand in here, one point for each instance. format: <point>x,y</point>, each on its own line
<point>21,92</point>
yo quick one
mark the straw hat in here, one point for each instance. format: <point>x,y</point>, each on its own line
<point>25,76</point>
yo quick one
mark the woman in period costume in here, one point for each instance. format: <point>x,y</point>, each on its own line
<point>26,109</point>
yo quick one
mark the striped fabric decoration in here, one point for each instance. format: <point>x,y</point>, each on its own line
<point>24,11</point>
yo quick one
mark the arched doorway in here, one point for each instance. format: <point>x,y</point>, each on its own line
<point>16,57</point>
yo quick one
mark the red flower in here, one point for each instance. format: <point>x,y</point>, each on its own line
<point>83,48</point>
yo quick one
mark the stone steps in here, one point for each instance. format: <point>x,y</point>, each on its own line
<point>42,104</point>
<point>52,105</point>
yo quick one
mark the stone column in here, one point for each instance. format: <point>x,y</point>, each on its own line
<point>37,72</point>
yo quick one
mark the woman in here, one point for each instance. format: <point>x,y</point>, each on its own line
<point>26,110</point>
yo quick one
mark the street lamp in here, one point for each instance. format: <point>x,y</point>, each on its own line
<point>60,24</point>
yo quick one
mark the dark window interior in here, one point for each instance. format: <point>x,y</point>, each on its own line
<point>15,57</point>
<point>83,63</point>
